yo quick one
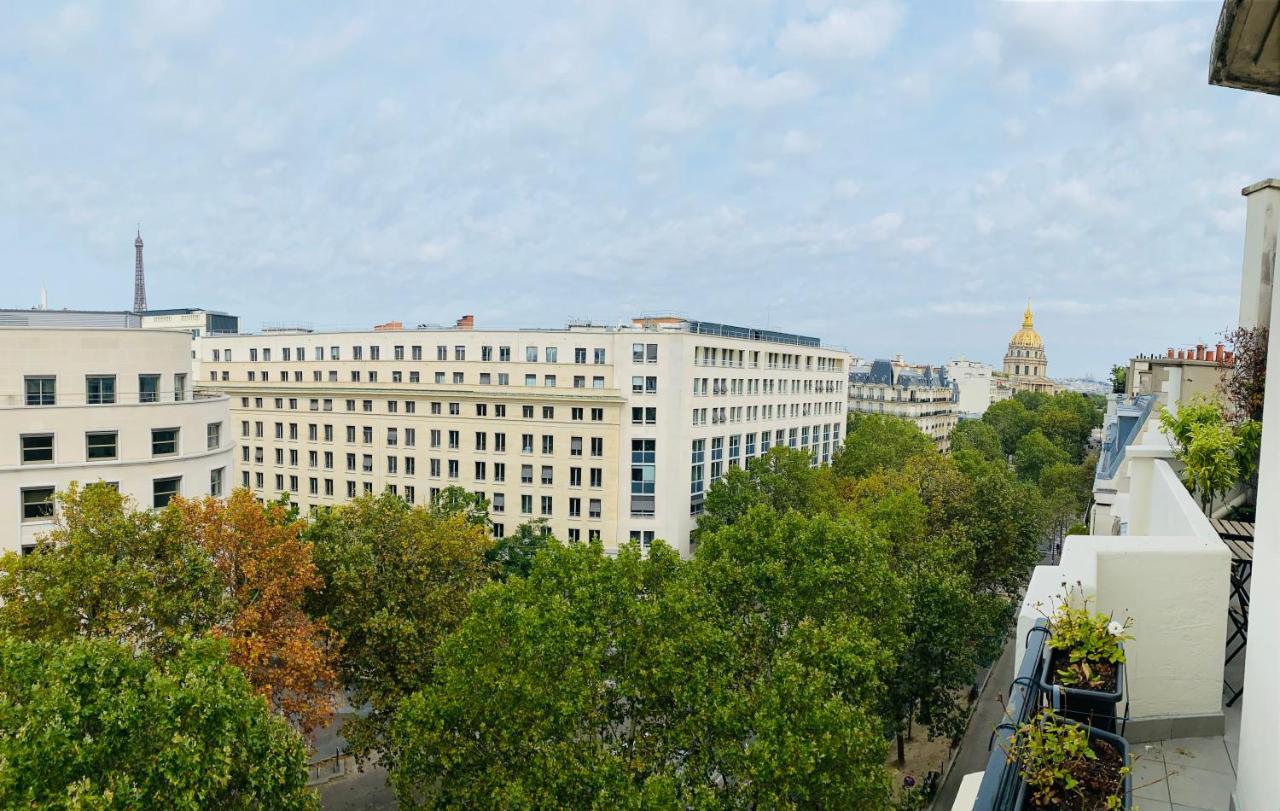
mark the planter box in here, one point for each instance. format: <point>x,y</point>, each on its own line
<point>1023,802</point>
<point>1094,708</point>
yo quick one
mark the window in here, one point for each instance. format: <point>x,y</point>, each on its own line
<point>416,353</point>
<point>526,504</point>
<point>580,354</point>
<point>597,446</point>
<point>548,444</point>
<point>40,390</point>
<point>599,355</point>
<point>526,443</point>
<point>575,446</point>
<point>499,503</point>
<point>593,511</point>
<point>641,415</point>
<point>37,503</point>
<point>486,353</point>
<point>597,477</point>
<point>551,354</point>
<point>459,353</point>
<point>102,445</point>
<point>148,388</point>
<point>37,449</point>
<point>597,415</point>
<point>162,490</point>
<point>215,481</point>
<point>100,389</point>
<point>164,441</point>
<point>575,477</point>
<point>545,505</point>
<point>531,354</point>
<point>547,474</point>
<point>643,457</point>
<point>179,387</point>
<point>526,474</point>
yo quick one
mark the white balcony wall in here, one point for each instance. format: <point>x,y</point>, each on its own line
<point>1170,574</point>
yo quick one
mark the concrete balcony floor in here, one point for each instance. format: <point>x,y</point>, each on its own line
<point>1191,774</point>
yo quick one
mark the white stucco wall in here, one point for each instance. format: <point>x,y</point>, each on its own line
<point>1174,585</point>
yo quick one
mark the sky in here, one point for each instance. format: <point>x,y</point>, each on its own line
<point>892,177</point>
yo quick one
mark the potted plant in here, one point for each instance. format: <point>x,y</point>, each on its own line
<point>1083,673</point>
<point>1065,765</point>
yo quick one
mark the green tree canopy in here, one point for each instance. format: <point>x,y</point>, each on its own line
<point>1075,480</point>
<point>110,571</point>
<point>1031,400</point>
<point>978,436</point>
<point>91,724</point>
<point>876,441</point>
<point>1034,453</point>
<point>621,683</point>
<point>512,555</point>
<point>455,500</point>
<point>397,580</point>
<point>1011,420</point>
<point>782,478</point>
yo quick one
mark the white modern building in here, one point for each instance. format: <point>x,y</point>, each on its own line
<point>101,404</point>
<point>977,388</point>
<point>608,433</point>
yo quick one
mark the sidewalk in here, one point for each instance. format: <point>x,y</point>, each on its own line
<point>987,713</point>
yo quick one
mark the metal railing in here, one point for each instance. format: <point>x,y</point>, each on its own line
<point>1000,782</point>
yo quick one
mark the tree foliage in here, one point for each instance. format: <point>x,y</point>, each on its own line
<point>876,441</point>
<point>624,683</point>
<point>454,500</point>
<point>1034,453</point>
<point>396,583</point>
<point>512,555</point>
<point>783,478</point>
<point>1119,379</point>
<point>112,572</point>
<point>1011,420</point>
<point>266,570</point>
<point>1244,380</point>
<point>978,436</point>
<point>92,724</point>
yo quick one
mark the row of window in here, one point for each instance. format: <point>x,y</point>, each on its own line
<point>497,501</point>
<point>755,386</point>
<point>408,464</point>
<point>743,447</point>
<point>37,502</point>
<point>42,390</point>
<point>437,407</point>
<point>551,354</point>
<point>717,356</point>
<point>436,438</point>
<point>755,413</point>
<point>101,446</point>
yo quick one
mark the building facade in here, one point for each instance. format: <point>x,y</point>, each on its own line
<point>194,320</point>
<point>924,395</point>
<point>976,388</point>
<point>1026,367</point>
<point>607,434</point>
<point>100,404</point>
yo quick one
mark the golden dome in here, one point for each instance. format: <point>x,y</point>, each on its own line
<point>1027,336</point>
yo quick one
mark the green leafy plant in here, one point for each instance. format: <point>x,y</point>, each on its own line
<point>1061,768</point>
<point>1087,640</point>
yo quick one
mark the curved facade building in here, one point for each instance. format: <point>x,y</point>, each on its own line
<point>1025,364</point>
<point>113,405</point>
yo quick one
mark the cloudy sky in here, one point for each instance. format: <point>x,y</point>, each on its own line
<point>890,176</point>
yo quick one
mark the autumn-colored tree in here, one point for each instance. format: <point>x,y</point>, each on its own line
<point>267,570</point>
<point>1244,378</point>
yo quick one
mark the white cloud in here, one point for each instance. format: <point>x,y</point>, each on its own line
<point>796,142</point>
<point>844,33</point>
<point>884,225</point>
<point>731,86</point>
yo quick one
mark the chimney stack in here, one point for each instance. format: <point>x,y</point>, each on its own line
<point>1170,355</point>
<point>466,322</point>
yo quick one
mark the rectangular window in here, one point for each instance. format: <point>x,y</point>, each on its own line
<point>148,388</point>
<point>526,474</point>
<point>213,435</point>
<point>41,390</point>
<point>504,353</point>
<point>37,503</point>
<point>599,355</point>
<point>100,389</point>
<point>548,444</point>
<point>163,490</point>
<point>37,449</point>
<point>164,442</point>
<point>215,481</point>
<point>102,445</point>
<point>547,474</point>
<point>545,505</point>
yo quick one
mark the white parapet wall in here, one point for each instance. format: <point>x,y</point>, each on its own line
<point>1171,576</point>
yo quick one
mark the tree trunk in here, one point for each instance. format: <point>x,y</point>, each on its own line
<point>902,751</point>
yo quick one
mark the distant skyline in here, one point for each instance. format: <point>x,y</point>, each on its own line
<point>892,177</point>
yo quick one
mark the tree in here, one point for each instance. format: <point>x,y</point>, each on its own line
<point>267,569</point>
<point>599,682</point>
<point>876,441</point>
<point>1244,379</point>
<point>1075,480</point>
<point>1210,466</point>
<point>1180,425</point>
<point>1011,420</point>
<point>783,478</point>
<point>1119,379</point>
<point>977,436</point>
<point>455,500</point>
<point>1034,453</point>
<point>1031,400</point>
<point>1065,427</point>
<point>512,555</point>
<point>396,582</point>
<point>110,571</point>
<point>94,724</point>
<point>1006,528</point>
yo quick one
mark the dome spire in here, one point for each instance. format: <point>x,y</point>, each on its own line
<point>1027,320</point>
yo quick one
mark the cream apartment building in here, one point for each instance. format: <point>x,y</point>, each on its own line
<point>102,404</point>
<point>607,433</point>
<point>923,395</point>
